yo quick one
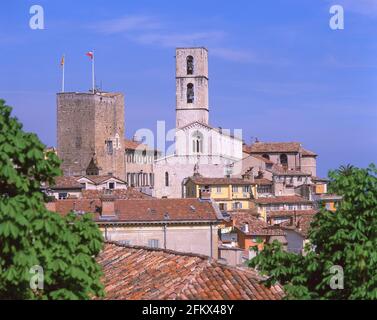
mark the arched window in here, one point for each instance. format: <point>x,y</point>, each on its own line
<point>190,93</point>
<point>166,179</point>
<point>266,156</point>
<point>197,142</point>
<point>284,160</point>
<point>190,65</point>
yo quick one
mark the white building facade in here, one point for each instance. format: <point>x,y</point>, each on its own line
<point>199,147</point>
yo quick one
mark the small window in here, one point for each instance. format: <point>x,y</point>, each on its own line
<point>284,160</point>
<point>190,93</point>
<point>190,65</point>
<point>218,189</point>
<point>197,142</point>
<point>125,242</point>
<point>222,206</point>
<point>109,147</point>
<point>63,195</point>
<point>78,142</point>
<point>237,205</point>
<point>246,188</point>
<point>111,185</point>
<point>266,156</point>
<point>235,189</point>
<point>153,243</point>
<point>166,179</point>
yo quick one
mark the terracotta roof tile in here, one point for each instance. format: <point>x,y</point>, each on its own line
<point>291,213</point>
<point>270,147</point>
<point>100,179</point>
<point>257,227</point>
<point>220,181</point>
<point>281,199</point>
<point>164,275</point>
<point>301,225</point>
<point>143,210</point>
<point>135,145</point>
<point>308,153</point>
<point>71,182</point>
<point>66,182</point>
<point>262,182</point>
<point>129,193</point>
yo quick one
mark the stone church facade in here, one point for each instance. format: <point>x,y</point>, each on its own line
<point>199,147</point>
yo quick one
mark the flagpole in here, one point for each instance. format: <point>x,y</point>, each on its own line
<point>93,79</point>
<point>63,72</point>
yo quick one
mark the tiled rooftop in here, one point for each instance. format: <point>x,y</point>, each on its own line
<point>257,227</point>
<point>67,182</point>
<point>100,179</point>
<point>270,147</point>
<point>129,193</point>
<point>143,210</point>
<point>220,181</point>
<point>308,153</point>
<point>282,199</point>
<point>71,182</point>
<point>301,225</point>
<point>135,145</point>
<point>281,171</point>
<point>262,181</point>
<point>291,213</point>
<point>138,273</point>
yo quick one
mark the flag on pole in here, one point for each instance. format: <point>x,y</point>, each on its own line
<point>62,61</point>
<point>62,64</point>
<point>90,54</point>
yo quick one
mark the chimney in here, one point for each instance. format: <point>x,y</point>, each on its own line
<point>108,205</point>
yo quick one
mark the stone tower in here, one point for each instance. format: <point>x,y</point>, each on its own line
<point>191,86</point>
<point>90,133</point>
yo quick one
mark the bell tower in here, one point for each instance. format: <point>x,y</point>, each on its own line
<point>191,86</point>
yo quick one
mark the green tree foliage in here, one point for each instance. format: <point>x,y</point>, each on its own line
<point>30,235</point>
<point>346,238</point>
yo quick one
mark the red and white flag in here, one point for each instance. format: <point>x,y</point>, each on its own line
<point>90,54</point>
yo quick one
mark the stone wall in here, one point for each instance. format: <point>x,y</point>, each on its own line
<point>309,165</point>
<point>85,121</point>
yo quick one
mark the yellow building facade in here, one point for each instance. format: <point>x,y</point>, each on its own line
<point>229,193</point>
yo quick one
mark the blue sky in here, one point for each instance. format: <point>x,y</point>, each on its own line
<point>277,70</point>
